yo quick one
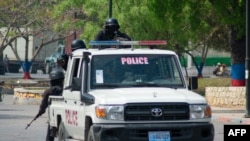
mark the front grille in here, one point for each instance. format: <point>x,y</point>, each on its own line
<point>143,112</point>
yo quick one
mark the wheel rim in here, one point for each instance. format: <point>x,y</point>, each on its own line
<point>61,134</point>
<point>62,137</point>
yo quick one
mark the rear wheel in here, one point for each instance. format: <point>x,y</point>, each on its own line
<point>49,137</point>
<point>62,134</point>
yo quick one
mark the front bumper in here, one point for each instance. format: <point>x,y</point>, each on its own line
<point>139,132</point>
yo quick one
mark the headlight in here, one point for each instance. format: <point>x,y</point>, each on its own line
<point>200,111</point>
<point>110,112</point>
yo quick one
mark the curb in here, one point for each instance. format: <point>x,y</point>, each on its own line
<point>231,119</point>
<point>26,96</point>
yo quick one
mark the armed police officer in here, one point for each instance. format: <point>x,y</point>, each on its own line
<point>62,61</point>
<point>111,32</point>
<point>56,82</point>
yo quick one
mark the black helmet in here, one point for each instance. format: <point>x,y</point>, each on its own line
<point>56,74</point>
<point>77,44</point>
<point>112,22</point>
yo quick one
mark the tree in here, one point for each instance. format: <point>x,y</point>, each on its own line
<point>233,14</point>
<point>203,23</point>
<point>23,19</point>
<point>152,20</point>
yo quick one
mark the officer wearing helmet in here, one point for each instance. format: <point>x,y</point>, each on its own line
<point>111,32</point>
<point>56,87</point>
<point>62,62</point>
<point>77,44</point>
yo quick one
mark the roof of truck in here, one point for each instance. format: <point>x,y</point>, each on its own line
<point>123,51</point>
<point>121,47</point>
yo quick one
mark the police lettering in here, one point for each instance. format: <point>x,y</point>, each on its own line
<point>71,117</point>
<point>134,60</point>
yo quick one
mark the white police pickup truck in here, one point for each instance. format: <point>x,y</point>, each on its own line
<point>116,93</point>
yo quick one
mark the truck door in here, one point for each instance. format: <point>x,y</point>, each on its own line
<point>74,108</point>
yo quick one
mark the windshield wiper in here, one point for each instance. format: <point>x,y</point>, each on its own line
<point>137,84</point>
<point>151,84</point>
<point>146,84</point>
<point>106,85</point>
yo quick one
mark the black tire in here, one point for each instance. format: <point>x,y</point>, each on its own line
<point>91,134</point>
<point>62,134</point>
<point>48,136</point>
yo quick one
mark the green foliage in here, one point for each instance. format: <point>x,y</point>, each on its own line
<point>210,61</point>
<point>233,13</point>
<point>179,22</point>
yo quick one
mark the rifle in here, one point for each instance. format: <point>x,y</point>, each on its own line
<point>121,36</point>
<point>38,115</point>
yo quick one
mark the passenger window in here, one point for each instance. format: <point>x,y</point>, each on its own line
<point>76,67</point>
<point>76,72</point>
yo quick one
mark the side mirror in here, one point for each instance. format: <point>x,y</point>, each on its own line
<point>76,84</point>
<point>193,83</point>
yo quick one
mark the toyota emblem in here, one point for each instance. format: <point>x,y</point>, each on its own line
<point>156,112</point>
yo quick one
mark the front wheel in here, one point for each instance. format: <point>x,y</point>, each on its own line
<point>91,134</point>
<point>62,134</point>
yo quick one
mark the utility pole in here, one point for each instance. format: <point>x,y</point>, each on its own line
<point>247,61</point>
<point>110,8</point>
<point>75,16</point>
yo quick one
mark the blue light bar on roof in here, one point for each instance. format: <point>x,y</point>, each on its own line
<point>104,43</point>
<point>118,43</point>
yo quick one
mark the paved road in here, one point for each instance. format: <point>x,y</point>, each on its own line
<point>14,118</point>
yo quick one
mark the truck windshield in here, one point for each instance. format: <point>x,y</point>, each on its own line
<point>114,71</point>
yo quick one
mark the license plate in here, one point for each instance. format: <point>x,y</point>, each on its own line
<point>159,136</point>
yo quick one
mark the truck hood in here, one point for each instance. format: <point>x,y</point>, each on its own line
<point>143,95</point>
